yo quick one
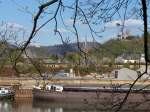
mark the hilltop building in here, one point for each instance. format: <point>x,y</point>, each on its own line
<point>123,35</point>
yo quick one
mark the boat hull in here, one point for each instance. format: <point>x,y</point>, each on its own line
<point>88,96</point>
<point>7,96</point>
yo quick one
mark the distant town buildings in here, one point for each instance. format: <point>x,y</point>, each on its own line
<point>124,74</point>
<point>142,59</point>
<point>122,60</point>
<point>128,74</point>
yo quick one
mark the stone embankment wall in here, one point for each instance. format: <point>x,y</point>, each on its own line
<point>27,83</point>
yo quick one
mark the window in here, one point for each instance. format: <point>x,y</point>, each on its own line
<point>116,74</point>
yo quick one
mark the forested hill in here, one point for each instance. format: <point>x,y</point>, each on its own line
<point>113,48</point>
<point>127,48</point>
<point>60,49</point>
<point>132,47</point>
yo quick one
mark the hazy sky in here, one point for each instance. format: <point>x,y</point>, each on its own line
<point>12,13</point>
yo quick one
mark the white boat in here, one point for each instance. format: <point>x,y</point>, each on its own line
<point>6,92</point>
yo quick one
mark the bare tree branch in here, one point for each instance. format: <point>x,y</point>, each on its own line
<point>144,8</point>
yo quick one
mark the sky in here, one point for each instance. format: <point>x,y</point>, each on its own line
<point>13,14</point>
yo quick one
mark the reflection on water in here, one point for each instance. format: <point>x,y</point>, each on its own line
<point>5,107</point>
<point>40,106</point>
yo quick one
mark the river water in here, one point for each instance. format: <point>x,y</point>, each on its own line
<point>41,106</point>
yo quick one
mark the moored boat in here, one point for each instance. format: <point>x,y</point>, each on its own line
<point>6,92</point>
<point>86,94</point>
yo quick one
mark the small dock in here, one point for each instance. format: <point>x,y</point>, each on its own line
<point>20,93</point>
<point>23,94</point>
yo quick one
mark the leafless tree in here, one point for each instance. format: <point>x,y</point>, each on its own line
<point>92,13</point>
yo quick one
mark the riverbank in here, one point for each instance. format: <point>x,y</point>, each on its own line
<point>27,83</point>
<point>23,86</point>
